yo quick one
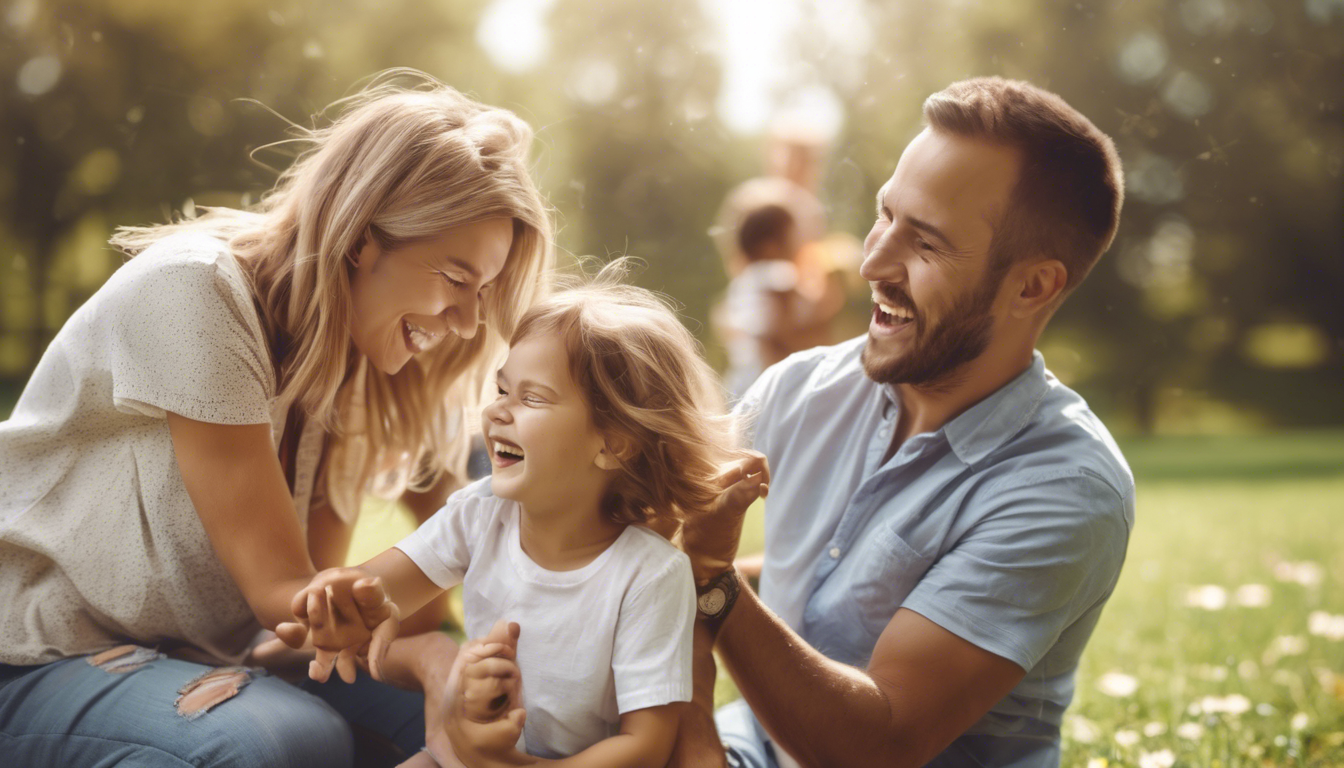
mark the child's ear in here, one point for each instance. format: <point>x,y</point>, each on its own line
<point>614,451</point>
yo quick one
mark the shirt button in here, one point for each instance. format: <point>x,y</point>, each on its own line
<point>835,553</point>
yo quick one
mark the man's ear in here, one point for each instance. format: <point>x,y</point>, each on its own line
<point>1040,284</point>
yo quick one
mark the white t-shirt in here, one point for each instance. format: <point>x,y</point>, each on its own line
<point>747,314</point>
<point>608,638</point>
<point>99,542</point>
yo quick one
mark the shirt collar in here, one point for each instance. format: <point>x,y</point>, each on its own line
<point>988,424</point>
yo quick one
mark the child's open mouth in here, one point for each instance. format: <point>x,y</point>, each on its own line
<point>504,453</point>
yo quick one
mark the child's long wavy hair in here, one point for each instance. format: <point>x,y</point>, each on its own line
<point>407,159</point>
<point>650,392</point>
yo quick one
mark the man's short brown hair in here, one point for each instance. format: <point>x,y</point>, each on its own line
<point>1066,202</point>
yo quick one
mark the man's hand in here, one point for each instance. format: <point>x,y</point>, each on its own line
<point>483,706</point>
<point>710,538</point>
<point>346,614</point>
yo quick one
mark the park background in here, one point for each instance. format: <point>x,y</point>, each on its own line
<point>1210,338</point>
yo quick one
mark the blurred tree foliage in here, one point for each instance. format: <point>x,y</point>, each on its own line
<point>1219,305</point>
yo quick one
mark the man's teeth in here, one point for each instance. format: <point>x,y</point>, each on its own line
<point>421,338</point>
<point>508,450</point>
<point>899,314</point>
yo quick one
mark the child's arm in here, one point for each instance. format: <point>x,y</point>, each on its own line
<point>645,741</point>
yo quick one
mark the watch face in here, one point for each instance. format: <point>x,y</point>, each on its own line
<point>712,601</point>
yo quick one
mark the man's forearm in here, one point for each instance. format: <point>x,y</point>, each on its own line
<point>820,711</point>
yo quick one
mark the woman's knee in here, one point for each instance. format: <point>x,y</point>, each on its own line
<point>261,721</point>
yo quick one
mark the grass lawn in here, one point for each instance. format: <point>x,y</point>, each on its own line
<point>1224,642</point>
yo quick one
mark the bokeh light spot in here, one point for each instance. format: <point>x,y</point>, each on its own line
<point>39,75</point>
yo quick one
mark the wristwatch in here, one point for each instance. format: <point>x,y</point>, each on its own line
<point>715,599</point>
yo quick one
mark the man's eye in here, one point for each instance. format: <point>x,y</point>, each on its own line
<point>925,245</point>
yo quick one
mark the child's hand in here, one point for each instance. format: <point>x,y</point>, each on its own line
<point>483,711</point>
<point>710,538</point>
<point>348,615</point>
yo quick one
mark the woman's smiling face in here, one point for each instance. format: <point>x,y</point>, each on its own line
<point>407,299</point>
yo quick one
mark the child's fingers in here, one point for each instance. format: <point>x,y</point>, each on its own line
<point>372,601</point>
<point>319,668</point>
<point>345,665</point>
<point>518,717</point>
<point>500,632</point>
<point>342,605</point>
<point>477,650</point>
<point>493,668</point>
<point>317,612</point>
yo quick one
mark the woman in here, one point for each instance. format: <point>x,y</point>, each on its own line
<point>195,441</point>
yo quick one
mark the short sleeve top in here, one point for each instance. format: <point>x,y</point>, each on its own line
<point>611,637</point>
<point>99,542</point>
<point>1007,527</point>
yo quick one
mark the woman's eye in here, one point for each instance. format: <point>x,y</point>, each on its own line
<point>501,391</point>
<point>452,281</point>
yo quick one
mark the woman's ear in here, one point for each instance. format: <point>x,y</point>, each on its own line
<point>366,251</point>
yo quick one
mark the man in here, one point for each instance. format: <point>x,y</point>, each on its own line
<point>946,520</point>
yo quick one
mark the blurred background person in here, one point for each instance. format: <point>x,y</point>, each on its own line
<point>768,312</point>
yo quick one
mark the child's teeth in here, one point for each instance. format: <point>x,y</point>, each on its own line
<point>507,450</point>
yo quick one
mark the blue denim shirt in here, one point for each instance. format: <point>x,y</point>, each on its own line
<point>1007,527</point>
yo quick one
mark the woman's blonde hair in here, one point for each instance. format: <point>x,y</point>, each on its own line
<point>407,159</point>
<point>650,392</point>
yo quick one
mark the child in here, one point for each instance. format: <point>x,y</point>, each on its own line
<point>606,422</point>
<point>768,313</point>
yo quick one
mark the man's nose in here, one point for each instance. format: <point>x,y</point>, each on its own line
<point>881,262</point>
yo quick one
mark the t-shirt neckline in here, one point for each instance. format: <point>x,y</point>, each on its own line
<point>528,569</point>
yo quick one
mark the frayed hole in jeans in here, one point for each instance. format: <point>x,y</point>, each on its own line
<point>210,690</point>
<point>124,658</point>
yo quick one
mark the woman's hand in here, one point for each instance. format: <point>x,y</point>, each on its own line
<point>483,710</point>
<point>711,537</point>
<point>346,614</point>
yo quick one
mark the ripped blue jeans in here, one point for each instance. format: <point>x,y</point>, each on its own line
<point>140,709</point>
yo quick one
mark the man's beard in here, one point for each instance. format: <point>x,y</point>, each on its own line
<point>938,352</point>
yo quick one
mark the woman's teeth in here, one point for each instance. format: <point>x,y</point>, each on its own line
<point>420,338</point>
<point>508,451</point>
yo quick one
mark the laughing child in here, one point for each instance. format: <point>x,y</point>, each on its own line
<point>606,426</point>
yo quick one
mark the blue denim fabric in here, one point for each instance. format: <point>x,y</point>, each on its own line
<point>745,741</point>
<point>70,713</point>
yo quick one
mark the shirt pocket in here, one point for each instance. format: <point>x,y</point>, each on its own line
<point>887,570</point>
